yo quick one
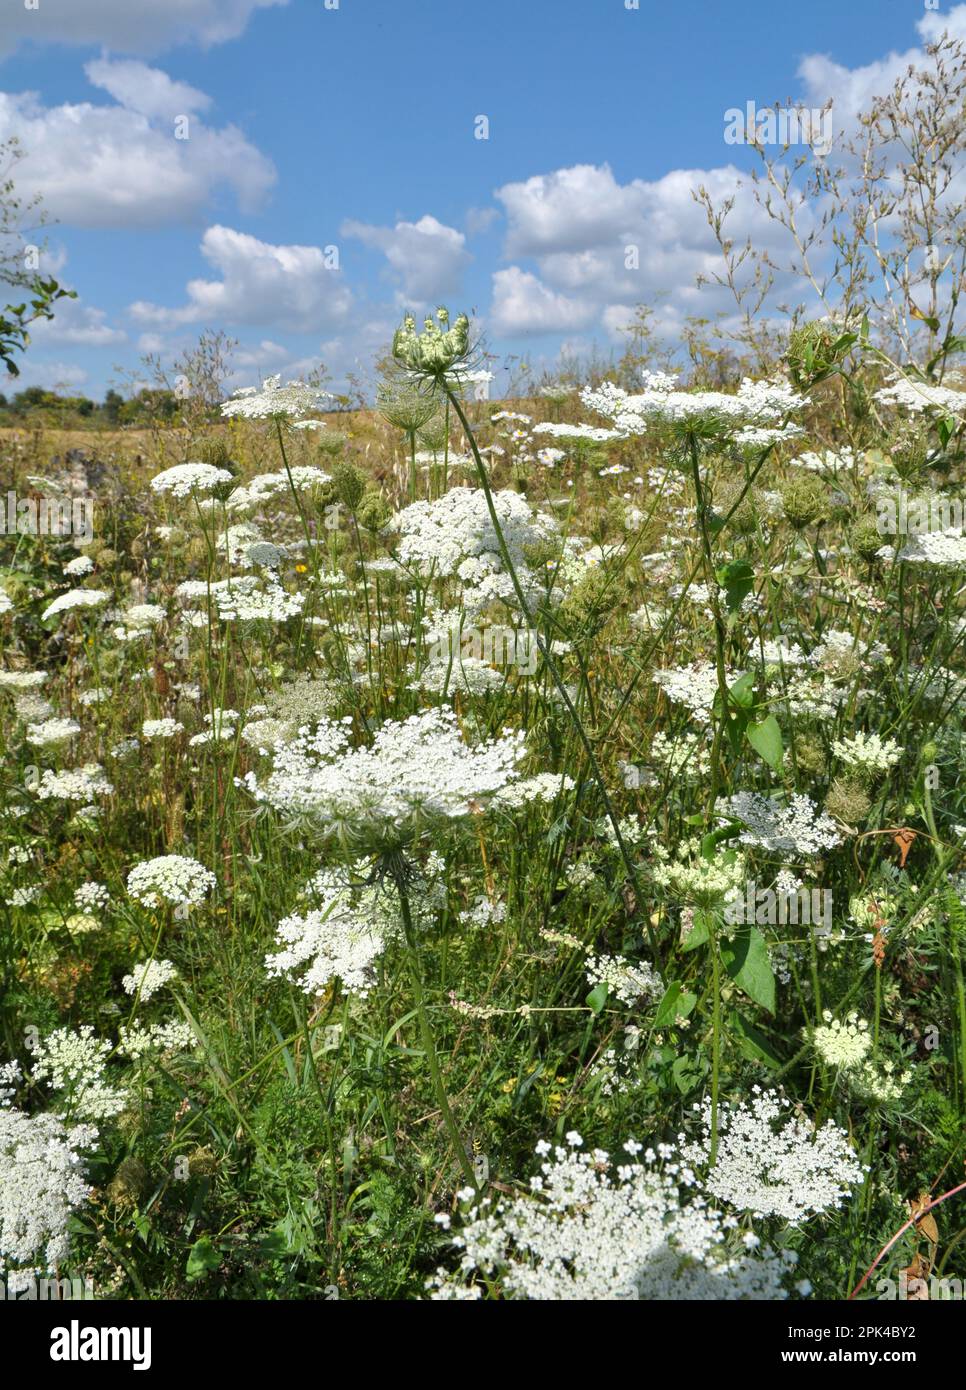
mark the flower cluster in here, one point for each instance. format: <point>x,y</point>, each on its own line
<point>755,404</point>
<point>42,1183</point>
<point>842,1043</point>
<point>627,981</point>
<point>76,784</point>
<point>868,752</point>
<point>771,1163</point>
<point>74,1065</point>
<point>598,1230</point>
<point>795,830</point>
<point>190,479</point>
<point>147,978</point>
<point>417,770</point>
<point>174,879</point>
<point>293,401</point>
<point>75,598</point>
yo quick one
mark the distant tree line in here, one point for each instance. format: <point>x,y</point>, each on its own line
<point>35,405</point>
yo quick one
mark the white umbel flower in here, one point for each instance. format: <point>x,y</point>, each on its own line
<point>798,829</point>
<point>42,1185</point>
<point>74,1065</point>
<point>292,401</point>
<point>771,1163</point>
<point>75,598</point>
<point>187,479</point>
<point>76,784</point>
<point>148,977</point>
<point>868,752</point>
<point>416,770</point>
<point>52,731</point>
<point>604,1231</point>
<point>174,879</point>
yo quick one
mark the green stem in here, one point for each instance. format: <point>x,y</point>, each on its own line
<point>715,1036</point>
<point>548,658</point>
<point>719,626</point>
<point>426,1033</point>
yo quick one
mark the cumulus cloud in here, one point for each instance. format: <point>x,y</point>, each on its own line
<point>522,304</point>
<point>285,287</point>
<point>128,26</point>
<point>78,324</point>
<point>121,165</point>
<point>53,376</point>
<point>601,247</point>
<point>426,258</point>
<point>138,87</point>
<point>851,90</point>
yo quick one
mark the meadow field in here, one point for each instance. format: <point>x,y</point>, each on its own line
<point>490,849</point>
<point>495,829</point>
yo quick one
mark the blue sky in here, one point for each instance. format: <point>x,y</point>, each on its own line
<point>353,128</point>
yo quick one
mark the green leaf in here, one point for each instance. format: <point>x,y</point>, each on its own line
<point>752,1042</point>
<point>743,691</point>
<point>746,961</point>
<point>945,429</point>
<point>699,935</point>
<point>711,841</point>
<point>597,998</point>
<point>675,1004</point>
<point>737,578</point>
<point>687,1072</point>
<point>766,739</point>
<point>202,1259</point>
<point>667,1010</point>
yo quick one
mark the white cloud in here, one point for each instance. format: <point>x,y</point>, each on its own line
<point>427,258</point>
<point>78,324</point>
<point>480,220</point>
<point>148,90</point>
<point>569,210</point>
<point>601,246</point>
<point>53,376</point>
<point>523,304</point>
<point>285,287</point>
<point>128,26</point>
<point>852,89</point>
<point>121,165</point>
<point>933,24</point>
<point>263,355</point>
